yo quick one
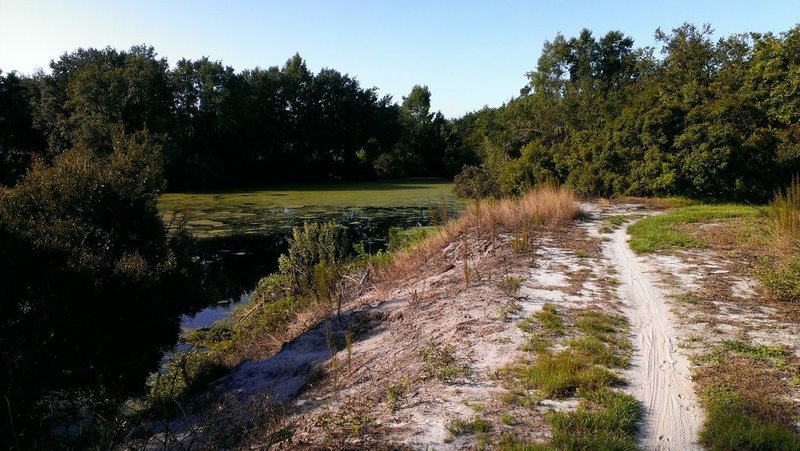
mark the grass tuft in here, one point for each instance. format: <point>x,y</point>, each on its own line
<point>441,363</point>
<point>728,425</point>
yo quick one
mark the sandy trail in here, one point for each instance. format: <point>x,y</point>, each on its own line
<point>659,375</point>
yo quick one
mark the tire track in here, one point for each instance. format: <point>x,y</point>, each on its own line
<point>659,376</point>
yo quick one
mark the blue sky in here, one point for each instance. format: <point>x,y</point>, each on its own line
<point>470,53</point>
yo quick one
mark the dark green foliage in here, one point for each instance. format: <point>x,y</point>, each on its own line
<point>709,119</point>
<point>315,251</point>
<point>18,139</point>
<point>476,182</point>
<point>93,288</point>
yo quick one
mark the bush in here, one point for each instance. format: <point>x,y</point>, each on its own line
<point>93,287</point>
<point>476,182</point>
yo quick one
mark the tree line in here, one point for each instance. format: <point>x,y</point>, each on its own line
<point>218,128</point>
<point>704,119</point>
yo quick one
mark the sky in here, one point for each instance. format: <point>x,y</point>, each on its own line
<point>470,54</point>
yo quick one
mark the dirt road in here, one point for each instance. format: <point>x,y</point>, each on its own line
<point>659,376</point>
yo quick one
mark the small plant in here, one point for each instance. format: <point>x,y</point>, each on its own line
<point>441,363</point>
<point>785,210</point>
<point>521,241</point>
<point>507,309</point>
<point>349,422</point>
<point>508,419</point>
<point>511,285</point>
<point>348,342</point>
<point>549,320</point>
<point>781,279</point>
<point>395,394</point>
<point>693,300</point>
<point>457,426</point>
<point>465,258</point>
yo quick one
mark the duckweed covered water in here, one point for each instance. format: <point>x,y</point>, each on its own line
<point>277,209</point>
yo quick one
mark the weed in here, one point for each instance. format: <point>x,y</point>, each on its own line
<point>348,342</point>
<point>395,394</point>
<point>562,374</point>
<point>781,279</point>
<point>612,223</point>
<point>441,363</point>
<point>457,426</point>
<point>347,423</point>
<point>785,210</point>
<point>549,319</point>
<point>520,242</point>
<point>605,419</point>
<point>465,258</point>
<point>760,352</point>
<point>688,299</point>
<point>508,309</point>
<point>511,285</point>
<point>508,419</point>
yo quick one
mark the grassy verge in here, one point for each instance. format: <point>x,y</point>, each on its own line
<point>577,353</point>
<point>662,232</point>
<point>742,386</point>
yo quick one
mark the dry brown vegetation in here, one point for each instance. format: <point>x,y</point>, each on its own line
<point>545,207</point>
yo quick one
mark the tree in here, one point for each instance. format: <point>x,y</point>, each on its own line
<point>19,141</point>
<point>94,94</point>
<point>93,288</point>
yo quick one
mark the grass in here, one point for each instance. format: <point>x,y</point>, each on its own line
<point>606,419</point>
<point>456,427</point>
<point>441,363</point>
<point>589,345</point>
<point>612,223</point>
<point>781,278</point>
<point>545,207</point>
<point>661,232</point>
<point>561,375</point>
<point>729,425</point>
<point>785,210</point>
<point>743,387</point>
<point>592,342</point>
<point>549,320</point>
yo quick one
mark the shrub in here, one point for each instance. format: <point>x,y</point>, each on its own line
<point>475,182</point>
<point>93,287</point>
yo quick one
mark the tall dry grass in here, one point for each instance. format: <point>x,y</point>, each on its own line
<point>545,207</point>
<point>548,206</point>
<point>784,210</point>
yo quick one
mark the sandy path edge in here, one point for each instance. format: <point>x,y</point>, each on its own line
<point>659,375</point>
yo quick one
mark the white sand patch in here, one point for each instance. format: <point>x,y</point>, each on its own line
<point>744,288</point>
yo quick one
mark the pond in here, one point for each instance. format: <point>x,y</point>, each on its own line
<point>242,233</point>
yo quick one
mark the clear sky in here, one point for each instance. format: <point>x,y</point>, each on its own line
<point>470,53</point>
